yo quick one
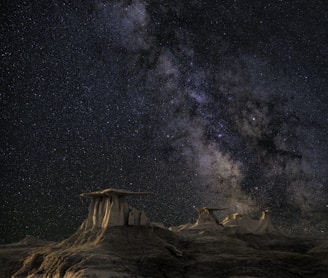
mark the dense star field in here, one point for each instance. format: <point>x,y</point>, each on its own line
<point>221,103</point>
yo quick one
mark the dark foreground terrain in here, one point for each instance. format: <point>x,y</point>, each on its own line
<point>155,252</point>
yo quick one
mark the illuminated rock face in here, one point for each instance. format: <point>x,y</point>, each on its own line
<point>206,220</point>
<point>110,208</point>
<point>206,216</point>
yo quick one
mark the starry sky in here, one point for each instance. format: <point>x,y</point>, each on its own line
<point>217,103</point>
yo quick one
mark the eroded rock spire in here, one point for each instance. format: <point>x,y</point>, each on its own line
<point>109,207</point>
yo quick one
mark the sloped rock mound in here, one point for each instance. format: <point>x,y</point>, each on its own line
<point>12,256</point>
<point>153,252</point>
<point>121,250</point>
<point>30,240</point>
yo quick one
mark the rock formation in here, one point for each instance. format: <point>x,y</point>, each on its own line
<point>206,219</point>
<point>206,216</point>
<point>110,208</point>
<point>245,224</point>
<point>117,241</point>
<point>233,222</point>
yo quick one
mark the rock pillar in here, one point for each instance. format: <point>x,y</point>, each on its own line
<point>110,208</point>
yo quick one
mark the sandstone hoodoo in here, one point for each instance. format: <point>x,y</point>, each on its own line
<point>109,207</point>
<point>206,220</point>
<point>234,222</point>
<point>207,216</point>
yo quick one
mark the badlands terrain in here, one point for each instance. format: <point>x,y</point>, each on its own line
<point>117,240</point>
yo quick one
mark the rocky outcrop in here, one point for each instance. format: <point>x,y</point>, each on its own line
<point>206,216</point>
<point>233,223</point>
<point>245,224</point>
<point>110,208</point>
<point>206,220</point>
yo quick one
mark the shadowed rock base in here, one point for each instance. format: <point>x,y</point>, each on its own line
<point>137,251</point>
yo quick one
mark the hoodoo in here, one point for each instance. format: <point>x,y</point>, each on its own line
<point>207,216</point>
<point>206,220</point>
<point>109,207</point>
<point>245,224</point>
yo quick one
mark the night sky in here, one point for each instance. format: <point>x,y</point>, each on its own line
<point>221,103</point>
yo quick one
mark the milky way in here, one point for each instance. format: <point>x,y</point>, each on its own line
<point>219,103</point>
